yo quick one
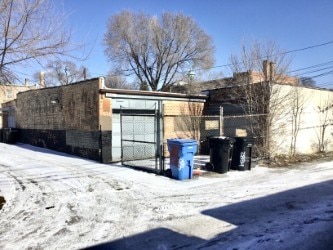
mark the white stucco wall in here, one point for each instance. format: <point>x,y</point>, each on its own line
<point>310,123</point>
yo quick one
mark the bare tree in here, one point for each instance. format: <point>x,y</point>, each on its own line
<point>297,104</point>
<point>258,72</point>
<point>196,84</point>
<point>31,32</point>
<point>115,81</point>
<point>62,73</point>
<point>252,54</point>
<point>157,51</point>
<point>189,123</point>
<point>325,114</point>
<point>307,81</point>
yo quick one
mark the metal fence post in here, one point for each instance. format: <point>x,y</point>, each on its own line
<point>221,120</point>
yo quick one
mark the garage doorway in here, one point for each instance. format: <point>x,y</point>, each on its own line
<point>140,139</point>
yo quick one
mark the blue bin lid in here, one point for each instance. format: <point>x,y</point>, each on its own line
<point>182,141</point>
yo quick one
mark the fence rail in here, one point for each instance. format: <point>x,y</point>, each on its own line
<point>201,127</point>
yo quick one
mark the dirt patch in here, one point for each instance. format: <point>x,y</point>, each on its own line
<point>2,201</point>
<point>293,161</point>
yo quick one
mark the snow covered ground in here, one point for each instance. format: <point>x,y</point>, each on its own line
<point>57,201</point>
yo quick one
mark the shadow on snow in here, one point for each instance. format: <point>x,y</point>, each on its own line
<point>281,220</point>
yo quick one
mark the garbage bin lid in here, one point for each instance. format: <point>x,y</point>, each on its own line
<point>182,141</point>
<point>251,139</point>
<point>221,138</point>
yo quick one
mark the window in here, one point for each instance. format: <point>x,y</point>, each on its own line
<point>10,94</point>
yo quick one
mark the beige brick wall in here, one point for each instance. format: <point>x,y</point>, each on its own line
<point>105,119</point>
<point>105,113</point>
<point>175,112</point>
<point>182,107</point>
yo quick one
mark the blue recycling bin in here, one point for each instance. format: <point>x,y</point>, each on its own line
<point>181,157</point>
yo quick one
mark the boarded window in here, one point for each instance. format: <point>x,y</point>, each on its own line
<point>212,124</point>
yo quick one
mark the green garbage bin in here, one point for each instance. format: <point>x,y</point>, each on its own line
<point>242,153</point>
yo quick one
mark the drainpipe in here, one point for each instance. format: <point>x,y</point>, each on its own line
<point>100,144</point>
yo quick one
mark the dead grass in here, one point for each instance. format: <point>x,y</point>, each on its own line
<point>293,161</point>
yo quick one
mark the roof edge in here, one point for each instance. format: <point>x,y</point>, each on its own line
<point>150,93</point>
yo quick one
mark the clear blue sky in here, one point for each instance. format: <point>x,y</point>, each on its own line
<point>292,24</point>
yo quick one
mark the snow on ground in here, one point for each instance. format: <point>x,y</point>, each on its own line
<point>56,201</point>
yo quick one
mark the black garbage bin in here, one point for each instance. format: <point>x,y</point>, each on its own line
<point>242,153</point>
<point>220,152</point>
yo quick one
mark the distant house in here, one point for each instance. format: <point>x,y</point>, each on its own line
<point>8,92</point>
<point>285,118</point>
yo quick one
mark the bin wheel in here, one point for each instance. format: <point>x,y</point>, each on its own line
<point>168,173</point>
<point>209,166</point>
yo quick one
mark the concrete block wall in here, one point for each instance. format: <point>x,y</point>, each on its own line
<point>64,118</point>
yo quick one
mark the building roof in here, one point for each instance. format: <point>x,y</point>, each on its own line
<point>151,93</point>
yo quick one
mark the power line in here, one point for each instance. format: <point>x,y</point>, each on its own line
<point>282,53</point>
<point>323,74</point>
<point>309,47</point>
<point>310,67</point>
<point>313,71</point>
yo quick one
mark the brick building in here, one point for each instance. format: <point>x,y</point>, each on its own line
<point>108,125</point>
<point>285,117</point>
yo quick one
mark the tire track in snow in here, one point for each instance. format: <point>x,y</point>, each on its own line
<point>37,192</point>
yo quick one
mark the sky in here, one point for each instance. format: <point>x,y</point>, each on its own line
<point>292,25</point>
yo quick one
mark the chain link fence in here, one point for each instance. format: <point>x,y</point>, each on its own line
<point>139,140</point>
<point>285,133</point>
<point>198,127</point>
<point>252,126</point>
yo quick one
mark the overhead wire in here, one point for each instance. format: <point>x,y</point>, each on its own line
<point>261,58</point>
<point>282,53</point>
<point>313,71</point>
<point>310,67</point>
<point>300,74</point>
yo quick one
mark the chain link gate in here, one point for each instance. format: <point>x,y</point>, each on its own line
<point>140,137</point>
